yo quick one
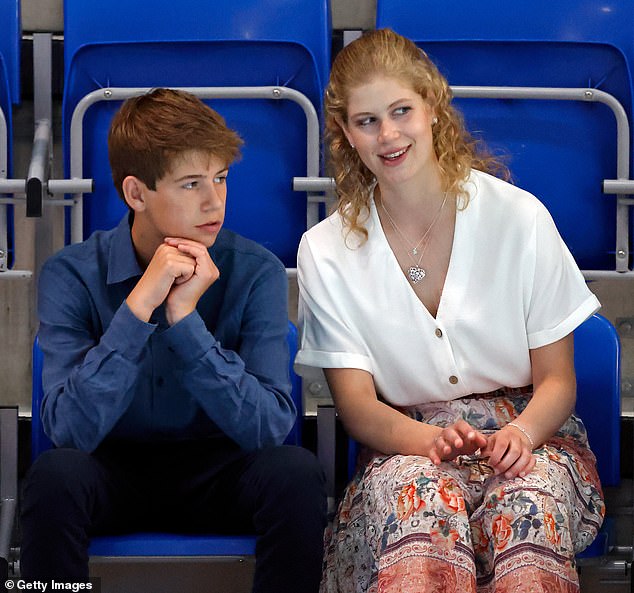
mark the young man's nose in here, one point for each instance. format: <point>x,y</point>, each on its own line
<point>212,197</point>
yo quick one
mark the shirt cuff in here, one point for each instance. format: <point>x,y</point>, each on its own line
<point>331,360</point>
<point>189,338</point>
<point>127,334</point>
<point>567,326</point>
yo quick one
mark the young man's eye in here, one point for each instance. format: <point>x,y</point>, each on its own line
<point>190,185</point>
<point>220,179</point>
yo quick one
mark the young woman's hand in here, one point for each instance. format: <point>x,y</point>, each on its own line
<point>459,438</point>
<point>510,452</point>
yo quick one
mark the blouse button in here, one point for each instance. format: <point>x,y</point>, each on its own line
<point>453,379</point>
<point>438,332</point>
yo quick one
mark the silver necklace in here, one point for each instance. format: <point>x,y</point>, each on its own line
<point>415,273</point>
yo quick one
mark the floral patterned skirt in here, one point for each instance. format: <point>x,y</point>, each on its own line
<point>405,525</point>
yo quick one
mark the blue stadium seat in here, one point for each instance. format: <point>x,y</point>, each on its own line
<point>214,43</point>
<point>164,544</point>
<point>559,150</point>
<point>10,25</point>
<point>598,368</point>
<point>10,51</point>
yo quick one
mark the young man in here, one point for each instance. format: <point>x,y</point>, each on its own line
<point>166,368</point>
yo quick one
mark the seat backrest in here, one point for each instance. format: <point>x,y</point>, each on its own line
<point>40,442</point>
<point>209,43</point>
<point>598,369</point>
<point>559,150</point>
<point>10,39</point>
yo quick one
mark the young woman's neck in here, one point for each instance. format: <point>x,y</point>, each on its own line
<point>411,197</point>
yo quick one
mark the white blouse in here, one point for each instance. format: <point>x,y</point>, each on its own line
<point>512,285</point>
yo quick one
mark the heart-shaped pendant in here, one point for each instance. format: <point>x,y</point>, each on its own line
<point>415,274</point>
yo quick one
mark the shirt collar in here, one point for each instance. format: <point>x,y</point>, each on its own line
<point>122,261</point>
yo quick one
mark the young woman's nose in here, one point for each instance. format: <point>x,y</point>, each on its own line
<point>388,130</point>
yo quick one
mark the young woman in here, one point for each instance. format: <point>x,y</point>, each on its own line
<point>440,301</point>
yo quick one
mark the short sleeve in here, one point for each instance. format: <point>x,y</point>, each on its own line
<point>560,298</point>
<point>327,340</point>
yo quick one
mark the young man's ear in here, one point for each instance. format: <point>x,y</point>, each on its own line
<point>134,191</point>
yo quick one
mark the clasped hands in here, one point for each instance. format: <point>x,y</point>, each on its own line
<point>178,274</point>
<point>508,450</point>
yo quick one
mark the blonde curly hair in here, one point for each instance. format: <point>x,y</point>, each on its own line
<point>383,52</point>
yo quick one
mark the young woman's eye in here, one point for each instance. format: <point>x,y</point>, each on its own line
<point>364,122</point>
<point>402,110</point>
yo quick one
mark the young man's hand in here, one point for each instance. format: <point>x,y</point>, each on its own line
<point>175,263</point>
<point>187,290</point>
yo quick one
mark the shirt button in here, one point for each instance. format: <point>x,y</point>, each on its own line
<point>160,381</point>
<point>453,379</point>
<point>438,332</point>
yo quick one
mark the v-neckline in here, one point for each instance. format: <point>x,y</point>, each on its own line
<point>452,257</point>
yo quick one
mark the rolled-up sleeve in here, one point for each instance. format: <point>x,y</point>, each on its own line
<point>560,299</point>
<point>327,340</point>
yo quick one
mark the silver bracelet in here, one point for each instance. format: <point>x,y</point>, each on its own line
<point>524,431</point>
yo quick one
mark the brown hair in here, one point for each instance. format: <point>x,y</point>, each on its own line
<point>152,130</point>
<point>383,52</point>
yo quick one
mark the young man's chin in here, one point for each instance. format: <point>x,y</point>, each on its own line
<point>207,237</point>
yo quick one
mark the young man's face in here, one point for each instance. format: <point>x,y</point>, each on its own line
<point>188,203</point>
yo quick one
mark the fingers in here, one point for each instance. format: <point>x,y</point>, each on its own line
<point>173,263</point>
<point>509,454</point>
<point>192,248</point>
<point>167,267</point>
<point>434,454</point>
<point>508,451</point>
<point>456,439</point>
<point>441,450</point>
<point>205,267</point>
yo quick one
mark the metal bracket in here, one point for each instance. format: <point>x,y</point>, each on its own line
<point>625,327</point>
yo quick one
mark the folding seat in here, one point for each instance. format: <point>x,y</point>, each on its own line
<point>9,95</point>
<point>122,561</point>
<point>278,51</point>
<point>562,145</point>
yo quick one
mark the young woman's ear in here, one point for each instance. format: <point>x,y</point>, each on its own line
<point>344,127</point>
<point>134,191</point>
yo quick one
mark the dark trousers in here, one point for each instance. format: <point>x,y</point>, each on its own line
<point>277,493</point>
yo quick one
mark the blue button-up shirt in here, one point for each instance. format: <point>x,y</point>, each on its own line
<point>221,372</point>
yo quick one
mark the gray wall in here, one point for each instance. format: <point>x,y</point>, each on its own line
<point>46,15</point>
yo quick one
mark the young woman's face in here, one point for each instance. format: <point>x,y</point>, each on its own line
<point>391,127</point>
